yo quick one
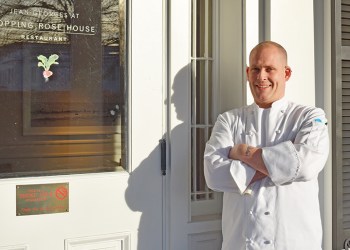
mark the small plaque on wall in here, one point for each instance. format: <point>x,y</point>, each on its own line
<point>42,199</point>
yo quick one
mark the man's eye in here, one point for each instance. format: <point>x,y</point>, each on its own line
<point>269,69</point>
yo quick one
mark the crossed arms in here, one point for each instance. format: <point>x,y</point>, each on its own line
<point>251,156</point>
<point>231,167</point>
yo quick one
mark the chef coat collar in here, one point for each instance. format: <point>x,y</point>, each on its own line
<point>277,105</point>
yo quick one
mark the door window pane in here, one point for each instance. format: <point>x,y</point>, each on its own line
<point>62,88</point>
<point>201,94</point>
<point>202,28</point>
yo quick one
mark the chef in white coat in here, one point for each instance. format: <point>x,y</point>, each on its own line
<point>266,158</point>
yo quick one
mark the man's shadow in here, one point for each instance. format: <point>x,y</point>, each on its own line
<point>145,184</point>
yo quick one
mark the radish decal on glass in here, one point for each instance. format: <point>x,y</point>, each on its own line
<point>46,64</point>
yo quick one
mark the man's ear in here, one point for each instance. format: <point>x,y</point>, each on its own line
<point>247,71</point>
<point>288,72</point>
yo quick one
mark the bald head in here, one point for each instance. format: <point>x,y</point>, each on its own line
<point>266,44</point>
<point>268,73</point>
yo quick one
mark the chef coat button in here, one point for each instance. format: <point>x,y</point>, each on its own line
<point>267,213</point>
<point>278,131</point>
<point>248,241</point>
<point>267,242</point>
<point>251,212</point>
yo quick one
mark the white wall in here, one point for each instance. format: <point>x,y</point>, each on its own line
<point>251,35</point>
<point>292,26</point>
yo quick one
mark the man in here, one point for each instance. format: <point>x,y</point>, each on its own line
<point>266,158</point>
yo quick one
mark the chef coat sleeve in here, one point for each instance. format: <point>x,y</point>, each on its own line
<point>221,173</point>
<point>303,158</point>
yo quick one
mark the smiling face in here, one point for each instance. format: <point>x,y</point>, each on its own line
<point>267,74</point>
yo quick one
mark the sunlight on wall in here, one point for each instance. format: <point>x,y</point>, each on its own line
<point>252,35</point>
<point>299,43</point>
<point>284,29</point>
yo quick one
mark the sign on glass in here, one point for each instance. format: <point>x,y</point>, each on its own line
<point>62,88</point>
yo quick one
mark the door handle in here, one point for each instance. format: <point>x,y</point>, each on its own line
<point>162,144</point>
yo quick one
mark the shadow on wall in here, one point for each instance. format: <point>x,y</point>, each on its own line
<point>144,191</point>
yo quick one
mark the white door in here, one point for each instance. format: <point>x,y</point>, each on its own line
<point>206,62</point>
<point>119,206</point>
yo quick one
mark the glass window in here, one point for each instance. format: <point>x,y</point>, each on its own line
<point>202,93</point>
<point>62,87</point>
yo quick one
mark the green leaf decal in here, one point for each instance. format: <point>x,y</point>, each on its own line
<point>46,63</point>
<point>52,60</point>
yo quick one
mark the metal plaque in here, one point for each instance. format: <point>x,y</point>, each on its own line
<point>42,199</point>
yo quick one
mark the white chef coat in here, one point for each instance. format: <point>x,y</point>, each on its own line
<point>279,212</point>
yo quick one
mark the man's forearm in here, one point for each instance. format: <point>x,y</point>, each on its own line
<point>252,156</point>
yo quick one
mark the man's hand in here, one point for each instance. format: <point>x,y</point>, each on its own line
<point>251,156</point>
<point>257,177</point>
<point>237,151</point>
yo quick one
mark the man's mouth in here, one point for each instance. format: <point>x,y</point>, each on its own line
<point>262,86</point>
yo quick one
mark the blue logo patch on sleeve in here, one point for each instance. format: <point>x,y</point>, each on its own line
<point>320,121</point>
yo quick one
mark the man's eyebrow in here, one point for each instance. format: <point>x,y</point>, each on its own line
<point>263,66</point>
<point>253,66</point>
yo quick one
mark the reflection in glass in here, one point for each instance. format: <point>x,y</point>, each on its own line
<point>62,88</point>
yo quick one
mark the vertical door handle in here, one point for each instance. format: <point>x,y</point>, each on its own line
<point>162,144</point>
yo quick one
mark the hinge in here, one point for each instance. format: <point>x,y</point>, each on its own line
<point>346,244</point>
<point>162,144</point>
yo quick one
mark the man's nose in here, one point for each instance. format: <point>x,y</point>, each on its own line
<point>262,75</point>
